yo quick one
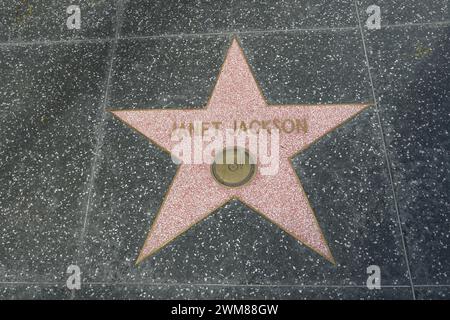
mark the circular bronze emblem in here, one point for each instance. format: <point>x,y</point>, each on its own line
<point>233,167</point>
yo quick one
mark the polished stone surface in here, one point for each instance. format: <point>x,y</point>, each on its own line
<point>77,186</point>
<point>28,20</point>
<point>160,17</point>
<point>184,292</point>
<point>433,293</point>
<point>411,70</point>
<point>50,105</point>
<point>403,12</point>
<point>37,291</point>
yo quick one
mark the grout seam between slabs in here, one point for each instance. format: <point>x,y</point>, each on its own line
<point>387,158</point>
<point>218,33</point>
<point>99,133</point>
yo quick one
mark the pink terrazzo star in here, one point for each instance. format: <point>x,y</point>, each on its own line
<point>195,194</point>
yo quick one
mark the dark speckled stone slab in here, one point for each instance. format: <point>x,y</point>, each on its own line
<point>240,292</point>
<point>50,98</point>
<point>411,69</point>
<point>30,20</point>
<point>150,17</point>
<point>309,67</point>
<point>36,291</point>
<point>433,292</point>
<point>407,11</point>
<point>157,73</point>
